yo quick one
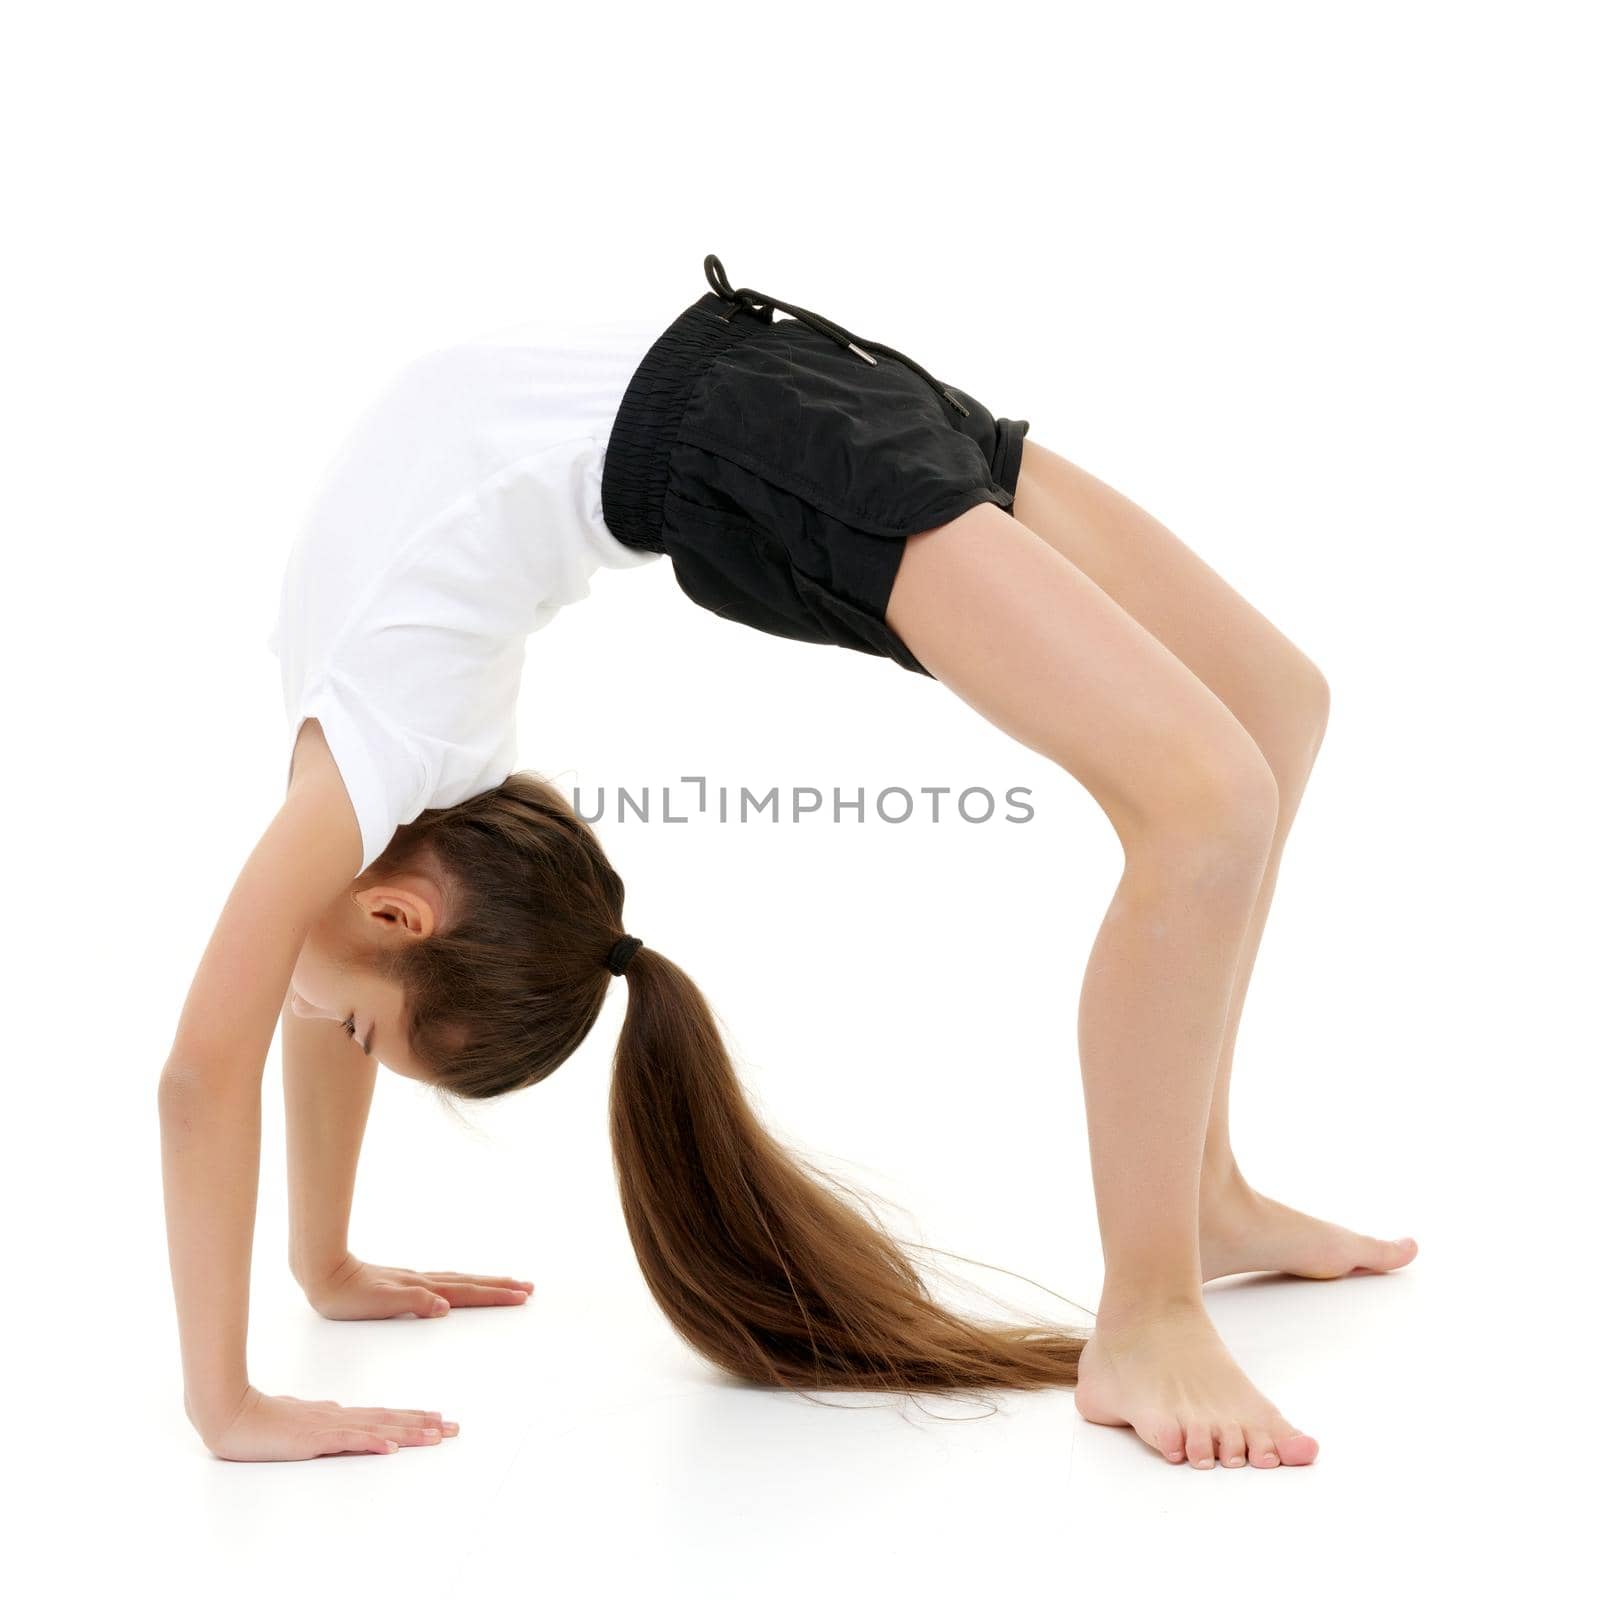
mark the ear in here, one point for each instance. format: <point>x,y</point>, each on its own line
<point>409,903</point>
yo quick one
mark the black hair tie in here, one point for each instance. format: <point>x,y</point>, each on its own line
<point>622,952</point>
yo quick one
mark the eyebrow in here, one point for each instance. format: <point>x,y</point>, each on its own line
<point>366,1044</point>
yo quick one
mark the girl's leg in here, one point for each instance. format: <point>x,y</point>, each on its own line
<point>1017,631</point>
<point>1281,700</point>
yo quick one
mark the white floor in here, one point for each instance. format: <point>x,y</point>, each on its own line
<point>668,1481</point>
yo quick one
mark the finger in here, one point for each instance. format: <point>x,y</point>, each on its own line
<point>376,1416</point>
<point>409,1436</point>
<point>385,1421</point>
<point>405,1419</point>
<point>486,1279</point>
<point>404,1427</point>
<point>420,1300</point>
<point>472,1294</point>
<point>330,1441</point>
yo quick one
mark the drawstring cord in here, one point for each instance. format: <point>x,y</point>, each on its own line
<point>754,301</point>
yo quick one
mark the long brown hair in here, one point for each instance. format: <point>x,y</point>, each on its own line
<point>757,1258</point>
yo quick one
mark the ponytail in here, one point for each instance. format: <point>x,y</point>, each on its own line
<point>759,1261</point>
<point>763,1269</point>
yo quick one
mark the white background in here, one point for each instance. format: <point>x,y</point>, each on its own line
<point>1314,285</point>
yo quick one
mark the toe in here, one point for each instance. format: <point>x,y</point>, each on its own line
<point>1263,1452</point>
<point>1200,1446</point>
<point>1230,1444</point>
<point>1383,1255</point>
<point>1163,1434</point>
<point>1295,1449</point>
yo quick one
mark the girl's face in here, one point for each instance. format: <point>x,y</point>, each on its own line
<point>334,981</point>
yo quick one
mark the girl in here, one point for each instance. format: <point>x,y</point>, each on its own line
<point>418,902</point>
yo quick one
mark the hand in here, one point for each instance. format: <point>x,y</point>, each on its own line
<point>277,1427</point>
<point>356,1291</point>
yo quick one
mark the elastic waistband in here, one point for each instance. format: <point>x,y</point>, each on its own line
<point>633,482</point>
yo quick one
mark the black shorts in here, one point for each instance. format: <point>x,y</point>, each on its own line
<point>782,464</point>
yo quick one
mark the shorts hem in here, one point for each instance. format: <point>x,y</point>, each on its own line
<point>1008,453</point>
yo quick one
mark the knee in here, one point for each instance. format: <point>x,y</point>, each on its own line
<point>1291,730</point>
<point>1211,822</point>
<point>1229,803</point>
<point>1309,700</point>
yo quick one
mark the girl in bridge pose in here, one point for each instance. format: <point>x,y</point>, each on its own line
<point>417,901</point>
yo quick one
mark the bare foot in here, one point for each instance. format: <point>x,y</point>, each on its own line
<point>1169,1377</point>
<point>1242,1231</point>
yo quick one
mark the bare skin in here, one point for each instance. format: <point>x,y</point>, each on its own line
<point>340,1021</point>
<point>1277,694</point>
<point>210,1109</point>
<point>292,919</point>
<point>1088,667</point>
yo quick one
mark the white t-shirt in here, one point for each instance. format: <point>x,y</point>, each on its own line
<point>461,515</point>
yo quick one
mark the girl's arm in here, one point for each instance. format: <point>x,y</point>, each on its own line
<point>210,1106</point>
<point>327,1094</point>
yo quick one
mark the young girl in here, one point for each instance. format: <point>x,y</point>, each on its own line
<point>418,902</point>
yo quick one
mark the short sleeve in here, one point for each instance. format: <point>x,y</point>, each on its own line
<point>384,774</point>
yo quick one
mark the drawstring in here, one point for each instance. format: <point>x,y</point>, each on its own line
<point>761,304</point>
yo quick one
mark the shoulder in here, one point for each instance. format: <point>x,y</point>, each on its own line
<point>308,854</point>
<point>318,792</point>
<point>357,771</point>
<point>311,762</point>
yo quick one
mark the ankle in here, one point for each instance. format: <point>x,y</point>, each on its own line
<point>1222,1184</point>
<point>1130,1303</point>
